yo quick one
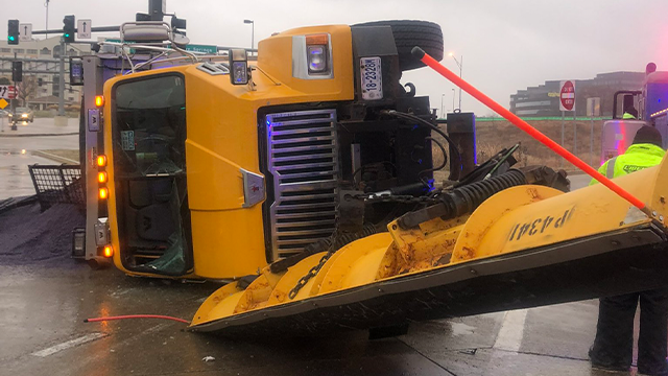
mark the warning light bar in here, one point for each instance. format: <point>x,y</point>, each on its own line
<point>658,113</point>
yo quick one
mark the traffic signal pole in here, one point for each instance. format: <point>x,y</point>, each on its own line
<point>61,79</point>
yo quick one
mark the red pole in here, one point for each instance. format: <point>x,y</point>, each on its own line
<point>533,132</point>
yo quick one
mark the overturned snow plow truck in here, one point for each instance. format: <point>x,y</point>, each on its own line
<point>305,179</point>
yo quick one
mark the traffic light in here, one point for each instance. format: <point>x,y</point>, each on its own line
<point>17,71</point>
<point>68,29</point>
<point>13,32</point>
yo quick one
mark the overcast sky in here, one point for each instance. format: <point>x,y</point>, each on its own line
<point>507,44</point>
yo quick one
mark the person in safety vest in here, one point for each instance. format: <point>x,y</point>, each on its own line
<point>630,114</point>
<point>613,346</point>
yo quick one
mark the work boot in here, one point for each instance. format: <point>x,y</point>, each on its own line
<point>657,370</point>
<point>605,363</point>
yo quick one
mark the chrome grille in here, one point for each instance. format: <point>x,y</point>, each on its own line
<point>303,160</point>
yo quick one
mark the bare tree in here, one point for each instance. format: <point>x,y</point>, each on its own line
<point>26,89</point>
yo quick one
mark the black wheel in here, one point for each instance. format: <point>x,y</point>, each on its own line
<point>408,34</point>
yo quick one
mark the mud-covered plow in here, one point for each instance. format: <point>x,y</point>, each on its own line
<point>522,246</point>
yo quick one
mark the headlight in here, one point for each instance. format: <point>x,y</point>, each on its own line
<point>24,115</point>
<point>317,59</point>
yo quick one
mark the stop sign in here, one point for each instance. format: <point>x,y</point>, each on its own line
<point>567,96</point>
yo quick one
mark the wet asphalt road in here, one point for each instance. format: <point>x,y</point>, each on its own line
<point>43,334</point>
<point>16,152</point>
<point>42,307</point>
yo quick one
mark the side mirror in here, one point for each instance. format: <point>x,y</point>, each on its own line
<point>238,66</point>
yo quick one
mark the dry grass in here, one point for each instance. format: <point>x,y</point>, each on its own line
<point>492,136</point>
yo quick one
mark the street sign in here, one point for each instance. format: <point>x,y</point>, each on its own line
<point>207,49</point>
<point>567,96</point>
<point>25,32</point>
<point>3,103</point>
<point>7,92</point>
<point>204,48</point>
<point>84,29</point>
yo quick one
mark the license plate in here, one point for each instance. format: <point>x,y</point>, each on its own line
<point>371,75</point>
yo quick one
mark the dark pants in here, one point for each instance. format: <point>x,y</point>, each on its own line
<point>613,346</point>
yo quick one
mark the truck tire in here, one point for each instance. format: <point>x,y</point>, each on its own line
<point>408,34</point>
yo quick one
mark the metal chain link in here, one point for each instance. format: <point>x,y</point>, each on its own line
<point>401,199</point>
<point>314,270</point>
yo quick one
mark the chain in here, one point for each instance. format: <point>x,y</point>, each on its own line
<point>384,197</point>
<point>330,251</point>
<point>400,199</point>
<point>311,273</point>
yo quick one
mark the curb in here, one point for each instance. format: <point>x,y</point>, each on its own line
<point>39,134</point>
<point>54,157</point>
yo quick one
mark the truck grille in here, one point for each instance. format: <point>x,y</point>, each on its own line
<point>303,160</point>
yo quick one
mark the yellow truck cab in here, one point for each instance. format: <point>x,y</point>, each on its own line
<point>218,165</point>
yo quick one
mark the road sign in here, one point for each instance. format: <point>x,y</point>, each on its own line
<point>207,49</point>
<point>204,48</point>
<point>3,103</point>
<point>7,91</point>
<point>84,29</point>
<point>25,32</point>
<point>567,96</point>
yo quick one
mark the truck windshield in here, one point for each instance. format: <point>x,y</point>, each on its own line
<point>148,136</point>
<point>149,130</point>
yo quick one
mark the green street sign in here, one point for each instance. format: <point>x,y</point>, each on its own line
<point>211,50</point>
<point>204,48</point>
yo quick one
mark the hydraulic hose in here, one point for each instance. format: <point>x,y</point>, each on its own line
<point>463,200</point>
<point>125,317</point>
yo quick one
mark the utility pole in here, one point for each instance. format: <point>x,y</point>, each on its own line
<point>252,32</point>
<point>46,4</point>
<point>61,79</point>
<point>13,101</point>
<point>461,67</point>
<point>442,109</point>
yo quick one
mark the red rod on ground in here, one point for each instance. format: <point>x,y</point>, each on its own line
<point>523,125</point>
<point>124,317</point>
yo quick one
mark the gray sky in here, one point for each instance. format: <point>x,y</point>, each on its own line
<point>507,44</point>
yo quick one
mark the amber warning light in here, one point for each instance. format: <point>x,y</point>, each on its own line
<point>102,177</point>
<point>99,101</point>
<point>108,251</point>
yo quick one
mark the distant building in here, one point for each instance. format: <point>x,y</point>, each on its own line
<point>41,65</point>
<point>543,100</point>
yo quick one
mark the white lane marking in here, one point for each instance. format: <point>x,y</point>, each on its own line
<point>69,344</point>
<point>512,331</point>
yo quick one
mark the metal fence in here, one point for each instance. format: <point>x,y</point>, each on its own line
<point>57,184</point>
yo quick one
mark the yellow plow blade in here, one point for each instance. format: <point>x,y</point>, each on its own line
<point>525,246</point>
